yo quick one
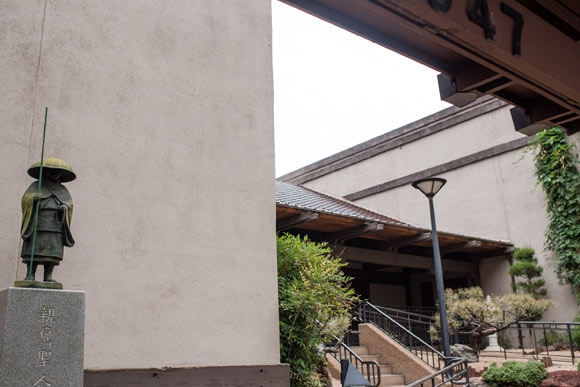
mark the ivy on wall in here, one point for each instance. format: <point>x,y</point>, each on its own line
<point>556,171</point>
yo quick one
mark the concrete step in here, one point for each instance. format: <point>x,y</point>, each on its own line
<point>386,369</point>
<point>360,350</point>
<point>392,380</point>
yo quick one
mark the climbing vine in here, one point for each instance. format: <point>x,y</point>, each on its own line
<point>556,171</point>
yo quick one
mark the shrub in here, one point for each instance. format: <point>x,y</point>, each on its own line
<point>515,374</point>
<point>468,312</point>
<point>576,333</point>
<point>314,302</point>
<point>578,366</point>
<point>526,267</point>
<point>552,337</point>
<point>503,340</point>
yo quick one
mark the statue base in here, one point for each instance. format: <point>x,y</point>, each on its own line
<point>38,285</point>
<point>41,337</point>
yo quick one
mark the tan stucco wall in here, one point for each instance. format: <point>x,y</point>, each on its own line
<point>164,109</point>
<point>494,198</point>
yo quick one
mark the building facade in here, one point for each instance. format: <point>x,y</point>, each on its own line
<point>491,190</point>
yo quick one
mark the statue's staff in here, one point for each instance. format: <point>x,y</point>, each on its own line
<point>39,196</point>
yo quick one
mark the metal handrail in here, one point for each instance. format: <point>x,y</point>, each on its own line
<point>369,369</point>
<point>420,317</point>
<point>539,332</point>
<point>414,344</point>
<point>451,374</point>
<point>549,322</point>
<point>424,311</point>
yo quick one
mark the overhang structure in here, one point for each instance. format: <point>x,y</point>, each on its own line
<point>525,52</point>
<point>373,243</point>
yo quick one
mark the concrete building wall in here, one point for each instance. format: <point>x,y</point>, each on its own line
<point>460,140</point>
<point>495,198</point>
<point>164,109</point>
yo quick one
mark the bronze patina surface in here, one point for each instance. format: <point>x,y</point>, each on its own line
<point>55,208</point>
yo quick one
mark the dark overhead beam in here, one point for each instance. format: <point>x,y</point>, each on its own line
<point>341,236</point>
<point>377,277</point>
<point>573,127</point>
<point>449,93</point>
<point>473,76</point>
<point>344,20</point>
<point>363,255</point>
<point>372,266</point>
<point>295,220</point>
<point>404,241</point>
<point>460,246</point>
<point>493,253</point>
<point>495,86</point>
<point>566,119</point>
<point>523,123</point>
<point>542,109</point>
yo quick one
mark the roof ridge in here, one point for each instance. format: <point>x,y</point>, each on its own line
<point>367,214</point>
<point>377,141</point>
<point>354,205</point>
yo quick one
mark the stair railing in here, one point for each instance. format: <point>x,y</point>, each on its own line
<point>369,369</point>
<point>402,335</point>
<point>405,315</point>
<point>456,373</point>
<point>417,323</point>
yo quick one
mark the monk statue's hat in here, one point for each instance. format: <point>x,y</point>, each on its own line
<point>66,172</point>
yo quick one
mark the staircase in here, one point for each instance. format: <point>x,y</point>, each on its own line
<point>383,331</point>
<point>388,353</point>
<point>392,325</point>
<point>388,378</point>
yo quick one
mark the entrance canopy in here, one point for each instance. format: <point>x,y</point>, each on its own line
<point>391,262</point>
<point>524,52</point>
<point>375,238</point>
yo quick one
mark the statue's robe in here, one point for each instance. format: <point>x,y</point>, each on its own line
<point>53,228</point>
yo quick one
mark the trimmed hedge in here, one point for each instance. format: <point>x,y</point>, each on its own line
<point>515,374</point>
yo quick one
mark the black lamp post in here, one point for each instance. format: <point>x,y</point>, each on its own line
<point>430,187</point>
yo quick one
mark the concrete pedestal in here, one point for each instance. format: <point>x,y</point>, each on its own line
<point>493,344</point>
<point>41,338</point>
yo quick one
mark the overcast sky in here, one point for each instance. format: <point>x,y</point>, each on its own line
<point>333,89</point>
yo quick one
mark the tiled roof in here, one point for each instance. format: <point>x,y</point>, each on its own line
<point>290,195</point>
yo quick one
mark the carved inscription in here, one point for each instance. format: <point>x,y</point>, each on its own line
<point>478,13</point>
<point>47,319</point>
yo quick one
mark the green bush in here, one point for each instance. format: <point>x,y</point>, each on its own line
<point>552,337</point>
<point>576,333</point>
<point>314,299</point>
<point>526,267</point>
<point>503,340</point>
<point>515,374</point>
<point>578,366</point>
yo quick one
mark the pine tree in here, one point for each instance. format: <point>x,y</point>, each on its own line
<point>526,267</point>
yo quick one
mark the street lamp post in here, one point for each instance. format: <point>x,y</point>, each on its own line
<point>430,187</point>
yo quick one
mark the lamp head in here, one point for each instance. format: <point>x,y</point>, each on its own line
<point>429,186</point>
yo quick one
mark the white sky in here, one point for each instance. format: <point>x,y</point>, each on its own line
<point>333,89</point>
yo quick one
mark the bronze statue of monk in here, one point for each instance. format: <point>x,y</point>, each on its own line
<point>54,217</point>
